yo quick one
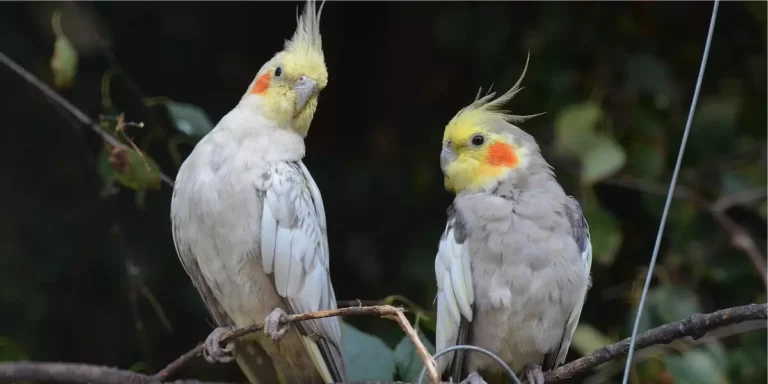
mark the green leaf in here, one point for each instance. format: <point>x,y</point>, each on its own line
<point>422,315</point>
<point>748,358</point>
<point>714,125</point>
<point>130,169</point>
<point>605,234</point>
<point>697,366</point>
<point>716,114</point>
<point>672,302</point>
<point>647,150</point>
<point>587,339</point>
<point>139,366</point>
<point>646,320</point>
<point>604,157</point>
<point>409,365</point>
<point>575,135</point>
<point>64,60</point>
<point>575,128</point>
<point>366,356</point>
<point>646,160</point>
<point>746,177</point>
<point>189,119</point>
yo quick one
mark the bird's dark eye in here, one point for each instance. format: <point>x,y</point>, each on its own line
<point>478,140</point>
<point>278,71</point>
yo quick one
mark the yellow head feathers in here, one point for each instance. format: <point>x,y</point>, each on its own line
<point>286,88</point>
<point>304,51</point>
<point>476,153</point>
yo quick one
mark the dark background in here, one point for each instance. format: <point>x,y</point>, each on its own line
<point>80,269</point>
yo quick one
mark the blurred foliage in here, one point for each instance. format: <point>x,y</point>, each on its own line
<point>64,59</point>
<point>615,81</point>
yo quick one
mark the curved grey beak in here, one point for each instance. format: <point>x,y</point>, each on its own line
<point>446,158</point>
<point>305,88</point>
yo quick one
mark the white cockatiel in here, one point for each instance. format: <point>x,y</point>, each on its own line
<point>249,224</point>
<point>513,264</point>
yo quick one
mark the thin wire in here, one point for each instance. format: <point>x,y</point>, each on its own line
<point>680,154</point>
<point>476,349</point>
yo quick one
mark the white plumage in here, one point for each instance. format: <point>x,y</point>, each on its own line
<point>250,231</point>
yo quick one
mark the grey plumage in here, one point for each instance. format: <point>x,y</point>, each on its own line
<point>513,263</point>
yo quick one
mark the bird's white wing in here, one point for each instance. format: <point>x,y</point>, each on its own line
<point>294,250</point>
<point>455,293</point>
<point>580,233</point>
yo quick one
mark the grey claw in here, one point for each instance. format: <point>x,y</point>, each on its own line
<point>473,378</point>
<point>533,374</point>
<point>272,327</point>
<point>212,350</point>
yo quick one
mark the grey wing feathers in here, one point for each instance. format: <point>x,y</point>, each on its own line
<point>579,230</point>
<point>580,234</point>
<point>294,250</point>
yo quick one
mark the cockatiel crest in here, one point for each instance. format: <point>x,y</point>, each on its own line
<point>481,144</point>
<point>287,87</point>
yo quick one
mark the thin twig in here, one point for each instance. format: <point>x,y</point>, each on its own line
<point>426,357</point>
<point>740,239</point>
<point>695,326</point>
<point>744,197</point>
<point>386,311</point>
<point>179,362</point>
<point>77,113</point>
<point>646,186</point>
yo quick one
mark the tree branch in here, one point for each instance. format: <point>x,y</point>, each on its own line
<point>385,311</point>
<point>64,103</point>
<point>695,326</point>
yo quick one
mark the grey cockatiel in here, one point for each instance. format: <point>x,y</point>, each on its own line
<point>249,223</point>
<point>513,264</point>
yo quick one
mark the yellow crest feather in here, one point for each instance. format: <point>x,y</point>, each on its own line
<point>306,46</point>
<point>484,109</point>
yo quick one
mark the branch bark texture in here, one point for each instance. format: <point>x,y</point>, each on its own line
<point>695,326</point>
<point>385,311</point>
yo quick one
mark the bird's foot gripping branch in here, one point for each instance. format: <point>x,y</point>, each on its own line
<point>694,326</point>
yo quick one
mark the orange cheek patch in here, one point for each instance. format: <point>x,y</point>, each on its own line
<point>262,83</point>
<point>501,154</point>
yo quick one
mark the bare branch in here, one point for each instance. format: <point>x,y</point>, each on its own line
<point>70,372</point>
<point>386,311</point>
<point>179,362</point>
<point>61,101</point>
<point>695,326</point>
<point>426,358</point>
